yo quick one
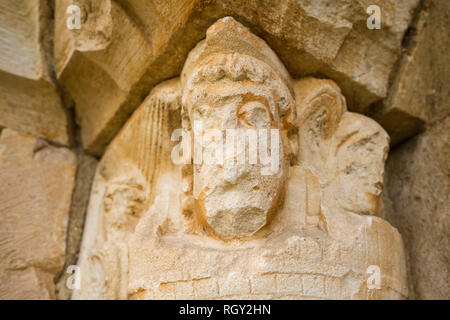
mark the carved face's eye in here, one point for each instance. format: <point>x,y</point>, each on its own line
<point>254,114</point>
<point>201,112</point>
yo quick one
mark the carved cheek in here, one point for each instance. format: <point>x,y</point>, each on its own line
<point>376,174</point>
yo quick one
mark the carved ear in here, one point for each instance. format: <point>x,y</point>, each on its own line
<point>320,106</point>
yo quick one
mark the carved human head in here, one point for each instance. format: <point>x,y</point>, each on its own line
<point>361,149</point>
<point>123,200</point>
<point>345,150</point>
<point>234,84</point>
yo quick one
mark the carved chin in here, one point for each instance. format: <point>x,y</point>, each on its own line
<point>236,222</point>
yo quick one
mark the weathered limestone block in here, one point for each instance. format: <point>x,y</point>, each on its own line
<point>36,182</point>
<point>420,93</point>
<point>329,37</point>
<point>417,197</point>
<point>29,99</point>
<point>100,65</point>
<point>164,224</point>
<point>132,46</point>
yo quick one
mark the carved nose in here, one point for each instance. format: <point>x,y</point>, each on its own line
<point>233,172</point>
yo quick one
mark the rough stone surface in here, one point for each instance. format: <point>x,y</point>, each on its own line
<point>420,93</point>
<point>35,193</point>
<point>418,204</point>
<point>234,230</point>
<point>80,198</point>
<point>305,222</point>
<point>131,46</point>
<point>100,67</point>
<point>29,99</point>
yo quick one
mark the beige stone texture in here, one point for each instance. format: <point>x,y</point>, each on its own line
<point>100,66</point>
<point>157,229</point>
<point>86,166</point>
<point>417,198</point>
<point>129,46</point>
<point>29,99</point>
<point>36,182</point>
<point>420,93</point>
<point>159,91</point>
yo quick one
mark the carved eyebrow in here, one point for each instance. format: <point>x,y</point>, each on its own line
<point>128,184</point>
<point>364,141</point>
<point>344,140</point>
<point>218,102</point>
<point>223,95</point>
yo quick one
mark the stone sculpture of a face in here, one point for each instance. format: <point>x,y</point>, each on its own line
<point>123,205</point>
<point>236,196</point>
<point>362,148</point>
<point>345,150</point>
<point>157,230</point>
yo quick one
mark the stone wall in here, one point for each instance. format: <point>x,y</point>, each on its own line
<point>417,194</point>
<point>66,94</point>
